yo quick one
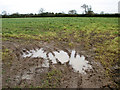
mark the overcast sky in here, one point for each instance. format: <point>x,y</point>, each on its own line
<point>33,6</point>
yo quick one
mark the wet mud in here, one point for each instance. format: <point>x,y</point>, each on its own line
<point>51,65</point>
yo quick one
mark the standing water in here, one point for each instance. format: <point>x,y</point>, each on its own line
<point>78,63</point>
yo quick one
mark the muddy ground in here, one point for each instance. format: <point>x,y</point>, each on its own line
<point>20,72</point>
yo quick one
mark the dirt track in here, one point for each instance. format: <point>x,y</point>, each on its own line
<point>29,72</point>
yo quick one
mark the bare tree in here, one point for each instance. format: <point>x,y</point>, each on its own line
<point>4,12</point>
<point>72,12</point>
<point>87,9</point>
<point>84,6</point>
<point>41,10</point>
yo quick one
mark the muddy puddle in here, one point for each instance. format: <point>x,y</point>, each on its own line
<point>72,58</point>
<point>48,65</point>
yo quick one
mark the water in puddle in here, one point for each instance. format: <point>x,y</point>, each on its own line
<point>78,62</point>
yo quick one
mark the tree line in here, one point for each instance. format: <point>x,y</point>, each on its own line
<point>88,12</point>
<point>58,15</point>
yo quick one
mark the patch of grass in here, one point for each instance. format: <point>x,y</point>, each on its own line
<point>5,53</point>
<point>52,79</point>
<point>7,56</point>
<point>71,44</point>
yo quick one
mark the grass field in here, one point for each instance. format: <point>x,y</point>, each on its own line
<point>98,32</point>
<point>95,33</point>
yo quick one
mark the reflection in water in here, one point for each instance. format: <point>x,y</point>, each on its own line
<point>78,63</point>
<point>61,56</point>
<point>51,57</point>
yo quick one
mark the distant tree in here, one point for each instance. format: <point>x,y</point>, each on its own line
<point>84,6</point>
<point>102,12</point>
<point>87,9</point>
<point>31,14</point>
<point>41,10</point>
<point>16,14</point>
<point>4,13</point>
<point>63,12</point>
<point>72,12</point>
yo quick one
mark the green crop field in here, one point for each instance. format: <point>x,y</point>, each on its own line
<point>95,33</point>
<point>44,26</point>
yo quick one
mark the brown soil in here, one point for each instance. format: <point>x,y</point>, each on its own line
<point>19,72</point>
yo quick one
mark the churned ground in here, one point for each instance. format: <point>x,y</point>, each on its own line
<point>95,38</point>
